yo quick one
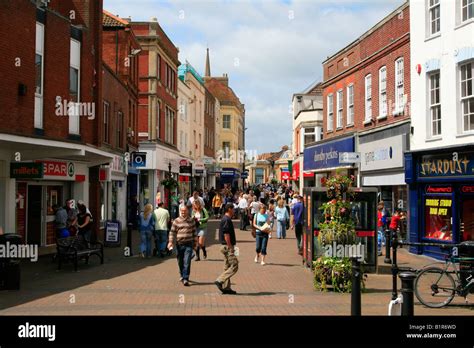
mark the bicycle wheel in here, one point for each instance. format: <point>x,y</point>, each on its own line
<point>434,287</point>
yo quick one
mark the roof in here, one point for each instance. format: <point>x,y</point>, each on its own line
<point>272,156</point>
<point>109,20</point>
<point>185,68</point>
<point>222,92</point>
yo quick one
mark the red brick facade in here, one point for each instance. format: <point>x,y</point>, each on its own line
<point>209,124</point>
<point>381,46</point>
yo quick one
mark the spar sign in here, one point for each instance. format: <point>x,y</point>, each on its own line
<point>58,170</point>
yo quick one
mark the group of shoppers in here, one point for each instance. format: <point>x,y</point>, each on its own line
<point>73,219</point>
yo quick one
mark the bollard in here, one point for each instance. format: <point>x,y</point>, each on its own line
<point>407,279</point>
<point>387,247</point>
<point>129,237</point>
<point>394,267</point>
<point>355,291</point>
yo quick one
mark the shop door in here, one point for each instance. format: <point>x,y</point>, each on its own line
<point>467,219</point>
<point>35,214</point>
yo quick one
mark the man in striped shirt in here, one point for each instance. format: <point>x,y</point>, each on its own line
<point>183,233</point>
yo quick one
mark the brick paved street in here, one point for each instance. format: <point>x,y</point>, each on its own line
<point>133,286</point>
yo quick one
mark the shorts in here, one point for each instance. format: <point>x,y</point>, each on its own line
<point>202,232</point>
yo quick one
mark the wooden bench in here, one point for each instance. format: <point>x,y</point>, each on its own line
<point>76,248</point>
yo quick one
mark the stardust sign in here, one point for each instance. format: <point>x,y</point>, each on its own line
<point>437,166</point>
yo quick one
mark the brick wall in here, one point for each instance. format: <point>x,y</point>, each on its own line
<point>209,123</point>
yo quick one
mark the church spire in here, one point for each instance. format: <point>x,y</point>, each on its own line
<point>208,65</point>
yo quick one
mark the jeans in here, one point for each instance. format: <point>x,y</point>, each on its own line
<point>299,234</point>
<point>185,251</point>
<point>161,237</point>
<point>380,240</point>
<point>243,219</point>
<point>262,242</point>
<point>145,246</point>
<point>281,229</point>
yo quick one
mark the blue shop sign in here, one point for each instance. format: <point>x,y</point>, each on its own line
<point>457,164</point>
<point>229,173</point>
<point>327,155</point>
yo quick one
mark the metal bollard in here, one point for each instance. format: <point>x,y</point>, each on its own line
<point>355,291</point>
<point>408,304</point>
<point>387,247</point>
<point>129,237</point>
<point>394,268</point>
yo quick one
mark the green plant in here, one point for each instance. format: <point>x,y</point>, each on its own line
<point>170,183</point>
<point>334,272</point>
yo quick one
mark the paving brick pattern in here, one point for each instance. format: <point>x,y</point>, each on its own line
<point>135,286</point>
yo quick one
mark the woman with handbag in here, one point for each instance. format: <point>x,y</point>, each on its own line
<point>282,219</point>
<point>261,223</point>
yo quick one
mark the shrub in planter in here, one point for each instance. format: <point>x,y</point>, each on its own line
<point>335,273</point>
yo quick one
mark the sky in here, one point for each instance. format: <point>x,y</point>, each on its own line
<point>270,49</point>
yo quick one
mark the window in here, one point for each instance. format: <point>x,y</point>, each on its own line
<point>350,105</point>
<point>158,66</point>
<point>106,122</point>
<point>368,97</point>
<point>259,176</point>
<point>467,9</point>
<point>119,140</point>
<point>383,92</point>
<point>169,125</point>
<point>438,216</point>
<point>435,104</point>
<point>434,16</point>
<point>226,148</point>
<point>339,109</point>
<point>38,118</point>
<point>330,113</point>
<point>226,122</point>
<point>158,119</point>
<point>467,96</point>
<point>309,135</point>
<point>399,85</point>
<point>74,85</point>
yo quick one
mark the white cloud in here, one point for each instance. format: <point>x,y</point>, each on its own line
<point>279,52</point>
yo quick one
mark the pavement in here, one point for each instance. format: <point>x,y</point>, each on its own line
<point>136,286</point>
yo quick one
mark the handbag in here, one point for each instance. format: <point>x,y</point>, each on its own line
<point>254,232</point>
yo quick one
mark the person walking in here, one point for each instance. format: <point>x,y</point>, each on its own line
<point>228,242</point>
<point>84,223</point>
<point>183,233</point>
<point>254,208</point>
<point>243,205</point>
<point>201,216</point>
<point>271,216</point>
<point>298,222</point>
<point>382,223</point>
<point>216,204</point>
<point>160,233</point>
<point>147,226</point>
<point>282,218</point>
<point>60,221</point>
<point>261,223</point>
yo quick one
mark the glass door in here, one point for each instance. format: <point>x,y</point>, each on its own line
<point>467,219</point>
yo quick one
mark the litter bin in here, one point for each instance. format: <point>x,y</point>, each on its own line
<point>466,249</point>
<point>10,267</point>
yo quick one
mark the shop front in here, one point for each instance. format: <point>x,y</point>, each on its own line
<point>441,196</point>
<point>39,186</point>
<point>382,165</point>
<point>322,160</point>
<point>228,177</point>
<point>301,178</point>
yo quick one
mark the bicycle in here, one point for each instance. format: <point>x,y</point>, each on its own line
<point>435,287</point>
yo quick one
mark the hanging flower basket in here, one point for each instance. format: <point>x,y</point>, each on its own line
<point>170,183</point>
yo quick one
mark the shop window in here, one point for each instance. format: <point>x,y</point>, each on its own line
<point>438,217</point>
<point>467,221</point>
<point>54,196</point>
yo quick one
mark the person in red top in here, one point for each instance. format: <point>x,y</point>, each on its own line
<point>395,221</point>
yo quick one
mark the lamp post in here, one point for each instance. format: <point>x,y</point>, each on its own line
<point>169,187</point>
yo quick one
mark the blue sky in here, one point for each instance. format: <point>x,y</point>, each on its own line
<point>270,49</point>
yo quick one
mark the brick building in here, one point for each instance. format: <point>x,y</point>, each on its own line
<point>209,138</point>
<point>157,110</point>
<point>51,149</point>
<point>120,108</point>
<point>366,99</point>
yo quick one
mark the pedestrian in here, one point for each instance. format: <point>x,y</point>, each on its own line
<point>282,219</point>
<point>395,222</point>
<point>216,204</point>
<point>71,217</point>
<point>183,233</point>
<point>261,222</point>
<point>298,222</point>
<point>196,197</point>
<point>382,223</point>
<point>254,208</point>
<point>147,227</point>
<point>243,205</point>
<point>271,216</point>
<point>60,221</point>
<point>160,232</point>
<point>228,242</point>
<point>84,223</point>
<point>201,216</point>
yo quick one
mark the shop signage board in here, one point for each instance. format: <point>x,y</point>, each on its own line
<point>21,170</point>
<point>138,159</point>
<point>349,157</point>
<point>447,165</point>
<point>386,153</point>
<point>326,155</point>
<point>185,169</point>
<point>112,233</point>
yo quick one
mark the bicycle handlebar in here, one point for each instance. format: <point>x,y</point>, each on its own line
<point>441,245</point>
